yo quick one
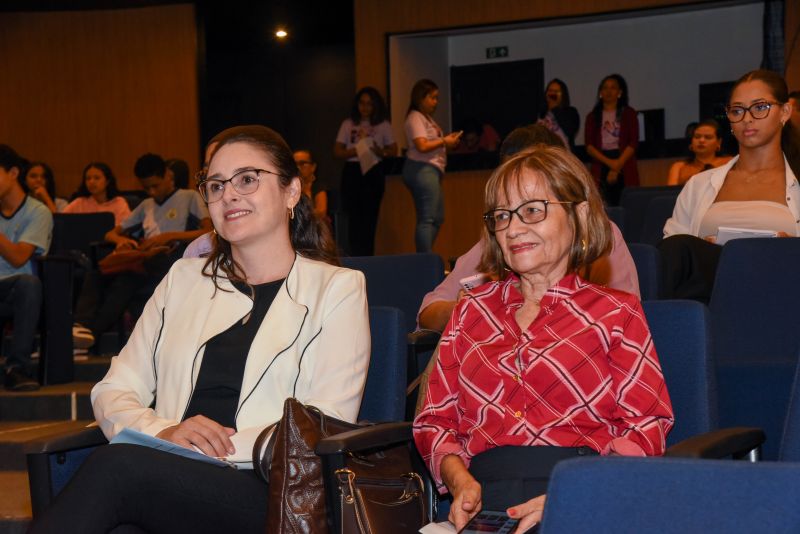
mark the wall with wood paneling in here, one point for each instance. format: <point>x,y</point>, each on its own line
<point>104,85</point>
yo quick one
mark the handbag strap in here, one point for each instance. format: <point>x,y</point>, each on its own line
<point>261,462</point>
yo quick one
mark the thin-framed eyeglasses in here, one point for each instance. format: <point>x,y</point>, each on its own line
<point>759,110</point>
<point>529,212</point>
<point>244,182</point>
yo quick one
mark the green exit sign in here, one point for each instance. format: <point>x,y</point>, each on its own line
<point>496,52</point>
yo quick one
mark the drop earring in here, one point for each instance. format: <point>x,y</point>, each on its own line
<point>291,212</point>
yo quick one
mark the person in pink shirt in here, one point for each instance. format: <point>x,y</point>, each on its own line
<point>615,269</point>
<point>98,192</point>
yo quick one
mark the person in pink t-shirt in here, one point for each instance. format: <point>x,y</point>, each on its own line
<point>98,192</point>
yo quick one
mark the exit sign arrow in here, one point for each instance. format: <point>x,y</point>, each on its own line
<point>496,52</point>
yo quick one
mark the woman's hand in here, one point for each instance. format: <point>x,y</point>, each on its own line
<point>40,193</point>
<point>612,177</point>
<point>466,502</point>
<point>465,490</point>
<point>615,165</point>
<point>199,431</point>
<point>529,513</point>
<point>710,238</point>
<point>452,139</point>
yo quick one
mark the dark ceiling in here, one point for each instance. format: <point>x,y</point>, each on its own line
<point>237,22</point>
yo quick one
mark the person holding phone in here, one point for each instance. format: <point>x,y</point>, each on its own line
<point>539,365</point>
<point>425,162</point>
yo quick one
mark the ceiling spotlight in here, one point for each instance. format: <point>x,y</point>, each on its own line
<point>281,34</point>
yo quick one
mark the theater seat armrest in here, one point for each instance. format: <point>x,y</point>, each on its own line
<point>73,439</point>
<point>424,339</point>
<point>369,437</point>
<point>736,442</point>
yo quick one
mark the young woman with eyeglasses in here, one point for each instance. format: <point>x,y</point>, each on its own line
<point>223,341</point>
<point>755,190</point>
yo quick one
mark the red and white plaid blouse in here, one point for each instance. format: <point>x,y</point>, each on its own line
<point>584,373</point>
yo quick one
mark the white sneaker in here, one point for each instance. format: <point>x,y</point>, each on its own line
<point>82,337</point>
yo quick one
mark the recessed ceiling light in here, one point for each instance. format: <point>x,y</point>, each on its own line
<point>281,34</point>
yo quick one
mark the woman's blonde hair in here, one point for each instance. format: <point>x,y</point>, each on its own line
<point>569,181</point>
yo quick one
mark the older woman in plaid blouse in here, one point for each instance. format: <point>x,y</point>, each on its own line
<point>540,358</point>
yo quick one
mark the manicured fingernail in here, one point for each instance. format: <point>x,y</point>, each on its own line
<point>512,512</point>
<point>231,450</point>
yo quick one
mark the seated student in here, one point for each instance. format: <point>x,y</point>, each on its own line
<point>25,230</point>
<point>705,142</point>
<point>477,137</point>
<point>539,365</point>
<point>615,269</point>
<point>98,193</point>
<point>221,345</point>
<point>169,217</point>
<point>39,183</point>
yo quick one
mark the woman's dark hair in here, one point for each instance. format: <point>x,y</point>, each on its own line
<point>378,106</point>
<point>565,103</point>
<point>309,236</point>
<point>180,172</point>
<point>780,92</point>
<point>111,180</point>
<point>622,103</point>
<point>49,181</point>
<point>420,90</point>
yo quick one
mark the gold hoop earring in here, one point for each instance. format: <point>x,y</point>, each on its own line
<point>291,212</point>
<point>214,231</point>
<point>583,247</point>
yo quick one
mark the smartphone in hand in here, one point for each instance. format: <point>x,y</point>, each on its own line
<point>491,522</point>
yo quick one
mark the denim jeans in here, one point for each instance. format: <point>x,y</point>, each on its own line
<point>21,299</point>
<point>424,182</point>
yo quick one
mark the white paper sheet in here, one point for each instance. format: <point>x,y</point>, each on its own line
<point>366,157</point>
<point>726,233</point>
<point>445,527</point>
<point>134,437</point>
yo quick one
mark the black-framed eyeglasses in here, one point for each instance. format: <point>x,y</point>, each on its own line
<point>244,182</point>
<point>759,110</point>
<point>529,212</point>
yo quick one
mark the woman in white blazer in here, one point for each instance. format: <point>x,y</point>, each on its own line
<point>223,341</point>
<point>755,190</point>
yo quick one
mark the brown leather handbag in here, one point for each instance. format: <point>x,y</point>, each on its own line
<point>379,492</point>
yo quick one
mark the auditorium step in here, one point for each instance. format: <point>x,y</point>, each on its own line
<point>60,402</point>
<point>15,502</point>
<point>91,368</point>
